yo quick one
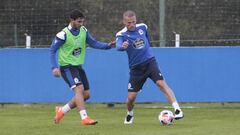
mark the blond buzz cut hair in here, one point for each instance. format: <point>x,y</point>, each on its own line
<point>129,13</point>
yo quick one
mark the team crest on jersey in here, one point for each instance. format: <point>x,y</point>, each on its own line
<point>138,43</point>
<point>76,52</point>
<point>140,31</point>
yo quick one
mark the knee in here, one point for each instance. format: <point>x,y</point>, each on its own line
<point>79,89</point>
<point>86,95</point>
<point>131,99</point>
<point>162,85</point>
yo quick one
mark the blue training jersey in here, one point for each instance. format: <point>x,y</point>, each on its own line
<point>60,39</point>
<point>138,50</point>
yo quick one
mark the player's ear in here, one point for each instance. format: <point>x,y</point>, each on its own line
<point>124,21</point>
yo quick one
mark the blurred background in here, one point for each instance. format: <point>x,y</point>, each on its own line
<point>198,22</point>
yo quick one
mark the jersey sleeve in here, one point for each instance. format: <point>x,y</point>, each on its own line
<point>92,42</point>
<point>144,25</point>
<point>58,41</point>
<point>147,34</point>
<point>119,41</point>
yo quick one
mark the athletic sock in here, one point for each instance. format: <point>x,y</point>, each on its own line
<point>130,113</point>
<point>176,106</point>
<point>83,114</point>
<point>66,108</point>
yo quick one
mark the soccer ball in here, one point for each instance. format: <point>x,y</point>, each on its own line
<point>166,117</point>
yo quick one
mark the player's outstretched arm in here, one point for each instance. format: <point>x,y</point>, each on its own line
<point>92,42</point>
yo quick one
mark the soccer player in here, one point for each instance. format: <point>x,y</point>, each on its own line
<point>134,39</point>
<point>71,46</point>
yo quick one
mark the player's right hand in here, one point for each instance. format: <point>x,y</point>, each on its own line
<point>56,72</point>
<point>125,45</point>
<point>112,44</point>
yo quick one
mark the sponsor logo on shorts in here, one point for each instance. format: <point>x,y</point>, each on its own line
<point>76,80</point>
<point>130,86</point>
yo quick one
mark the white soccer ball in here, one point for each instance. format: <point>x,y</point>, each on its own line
<point>166,117</point>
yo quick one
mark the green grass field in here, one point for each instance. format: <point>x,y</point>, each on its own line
<point>200,119</point>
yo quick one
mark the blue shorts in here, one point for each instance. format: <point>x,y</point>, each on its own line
<point>74,76</point>
<point>140,73</point>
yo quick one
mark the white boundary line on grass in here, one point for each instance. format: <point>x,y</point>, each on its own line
<point>170,107</point>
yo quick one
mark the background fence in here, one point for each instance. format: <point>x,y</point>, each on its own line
<point>199,22</point>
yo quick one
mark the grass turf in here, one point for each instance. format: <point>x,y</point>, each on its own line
<point>200,119</point>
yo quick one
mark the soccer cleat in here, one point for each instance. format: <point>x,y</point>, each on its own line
<point>128,119</point>
<point>88,121</point>
<point>58,114</point>
<point>178,114</point>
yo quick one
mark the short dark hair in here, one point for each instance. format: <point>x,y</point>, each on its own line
<point>75,14</point>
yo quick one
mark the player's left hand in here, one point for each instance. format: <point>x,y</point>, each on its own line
<point>112,44</point>
<point>56,72</point>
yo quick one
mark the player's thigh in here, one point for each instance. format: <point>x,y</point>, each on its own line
<point>70,74</point>
<point>84,79</point>
<point>154,72</point>
<point>136,80</point>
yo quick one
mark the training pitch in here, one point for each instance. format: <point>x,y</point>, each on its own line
<point>200,119</point>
